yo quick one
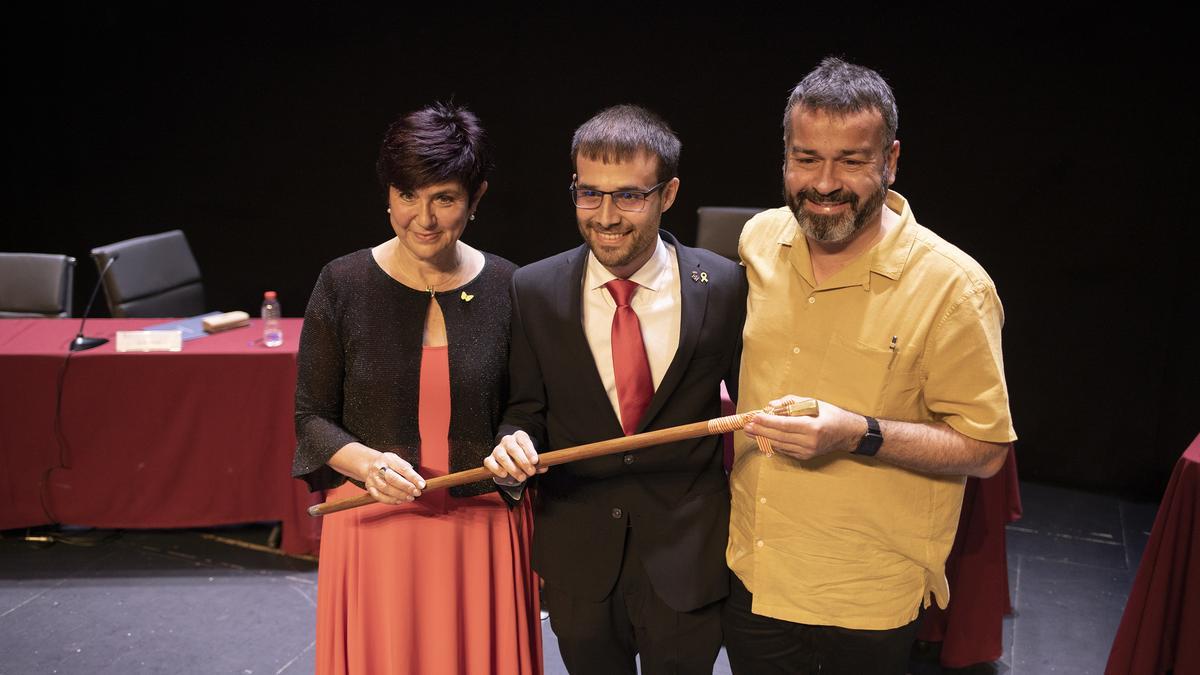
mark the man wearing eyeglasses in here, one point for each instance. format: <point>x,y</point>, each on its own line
<point>630,332</point>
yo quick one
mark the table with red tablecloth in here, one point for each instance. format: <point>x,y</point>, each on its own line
<point>195,438</point>
<point>1160,629</point>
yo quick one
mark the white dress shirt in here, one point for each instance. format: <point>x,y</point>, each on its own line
<point>657,304</point>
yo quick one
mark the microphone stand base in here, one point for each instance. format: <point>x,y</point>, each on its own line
<point>81,343</point>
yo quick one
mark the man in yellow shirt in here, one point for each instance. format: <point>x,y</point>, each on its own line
<point>839,537</point>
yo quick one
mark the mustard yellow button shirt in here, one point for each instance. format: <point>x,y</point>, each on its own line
<point>846,540</point>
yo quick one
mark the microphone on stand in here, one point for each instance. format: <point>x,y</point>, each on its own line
<point>80,343</point>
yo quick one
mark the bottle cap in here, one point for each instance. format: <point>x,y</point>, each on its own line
<point>269,295</point>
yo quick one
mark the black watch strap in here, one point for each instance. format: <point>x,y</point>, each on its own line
<point>869,445</point>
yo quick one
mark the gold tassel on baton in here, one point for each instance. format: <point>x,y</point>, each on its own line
<point>719,425</point>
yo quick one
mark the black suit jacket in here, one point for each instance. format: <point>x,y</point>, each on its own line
<point>674,498</point>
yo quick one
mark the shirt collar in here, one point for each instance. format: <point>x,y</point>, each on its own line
<point>886,258</point>
<point>654,274</point>
<point>889,256</point>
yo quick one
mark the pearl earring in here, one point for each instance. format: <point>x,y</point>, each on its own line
<point>472,217</point>
<point>389,209</point>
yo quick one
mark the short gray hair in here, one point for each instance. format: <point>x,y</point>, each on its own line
<point>841,89</point>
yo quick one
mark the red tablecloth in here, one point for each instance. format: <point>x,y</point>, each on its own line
<point>1160,629</point>
<point>195,438</point>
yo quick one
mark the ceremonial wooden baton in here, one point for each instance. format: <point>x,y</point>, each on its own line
<point>719,425</point>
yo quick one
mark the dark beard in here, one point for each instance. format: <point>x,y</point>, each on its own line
<point>641,240</point>
<point>835,229</point>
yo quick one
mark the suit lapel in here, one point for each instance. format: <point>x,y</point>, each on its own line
<point>693,294</point>
<point>569,298</point>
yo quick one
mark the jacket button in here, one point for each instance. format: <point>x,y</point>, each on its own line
<point>616,513</point>
<point>629,459</point>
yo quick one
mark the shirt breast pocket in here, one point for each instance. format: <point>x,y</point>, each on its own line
<point>853,375</point>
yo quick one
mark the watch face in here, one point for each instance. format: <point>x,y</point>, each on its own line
<point>873,427</point>
<point>869,445</point>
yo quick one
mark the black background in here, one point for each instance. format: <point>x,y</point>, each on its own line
<point>1056,146</point>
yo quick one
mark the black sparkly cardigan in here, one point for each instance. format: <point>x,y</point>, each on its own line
<point>359,367</point>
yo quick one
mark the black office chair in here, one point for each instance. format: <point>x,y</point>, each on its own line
<point>153,276</point>
<point>718,228</point>
<point>36,285</point>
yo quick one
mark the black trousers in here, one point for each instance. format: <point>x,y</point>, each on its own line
<point>760,645</point>
<point>603,637</point>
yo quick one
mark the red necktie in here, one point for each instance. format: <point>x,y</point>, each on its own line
<point>635,388</point>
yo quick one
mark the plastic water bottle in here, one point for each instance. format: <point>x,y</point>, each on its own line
<point>272,333</point>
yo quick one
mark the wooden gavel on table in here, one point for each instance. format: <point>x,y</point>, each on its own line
<point>612,446</point>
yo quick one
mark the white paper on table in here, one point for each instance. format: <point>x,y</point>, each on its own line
<point>149,341</point>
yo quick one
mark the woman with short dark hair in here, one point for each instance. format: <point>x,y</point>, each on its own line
<point>402,377</point>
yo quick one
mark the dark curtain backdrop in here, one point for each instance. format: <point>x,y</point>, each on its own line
<point>1055,146</point>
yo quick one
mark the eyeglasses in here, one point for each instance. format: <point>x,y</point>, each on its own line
<point>626,200</point>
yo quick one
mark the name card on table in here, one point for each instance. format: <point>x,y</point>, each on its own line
<point>149,341</point>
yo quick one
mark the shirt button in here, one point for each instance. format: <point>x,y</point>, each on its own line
<point>629,459</point>
<point>762,500</point>
<point>759,543</point>
<point>811,300</point>
<point>616,513</point>
<point>795,350</point>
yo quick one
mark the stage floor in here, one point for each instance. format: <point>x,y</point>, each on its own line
<point>184,601</point>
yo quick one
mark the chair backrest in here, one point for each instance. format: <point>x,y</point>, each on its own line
<point>155,276</point>
<point>718,228</point>
<point>36,285</point>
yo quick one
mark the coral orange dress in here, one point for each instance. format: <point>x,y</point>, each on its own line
<point>440,585</point>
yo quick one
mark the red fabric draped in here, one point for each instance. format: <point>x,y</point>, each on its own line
<point>1160,629</point>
